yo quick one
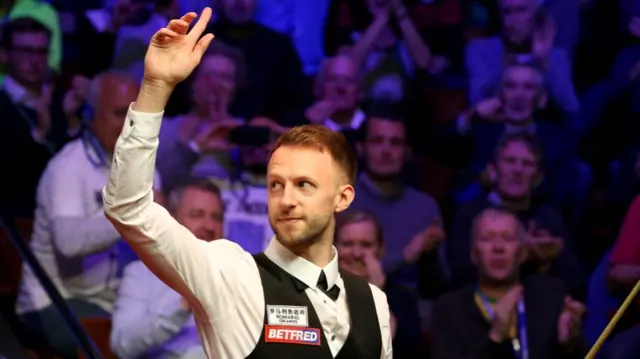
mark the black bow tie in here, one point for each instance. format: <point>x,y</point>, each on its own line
<point>332,293</point>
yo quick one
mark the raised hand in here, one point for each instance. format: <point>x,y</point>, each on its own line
<point>175,51</point>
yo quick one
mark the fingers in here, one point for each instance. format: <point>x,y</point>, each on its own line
<point>165,34</point>
<point>202,46</point>
<point>179,26</point>
<point>201,25</point>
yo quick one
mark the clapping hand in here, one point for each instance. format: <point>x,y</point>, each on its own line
<point>504,312</point>
<point>175,51</point>
<point>570,320</point>
<point>425,241</point>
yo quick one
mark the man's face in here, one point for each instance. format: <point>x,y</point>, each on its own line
<point>385,147</point>
<point>304,191</point>
<point>519,92</point>
<point>517,168</point>
<point>214,83</point>
<point>497,249</point>
<point>239,11</point>
<point>355,242</point>
<point>202,213</point>
<point>27,57</point>
<point>517,19</point>
<point>116,94</point>
<point>341,84</point>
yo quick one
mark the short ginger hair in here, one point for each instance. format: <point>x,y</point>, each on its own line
<point>323,139</point>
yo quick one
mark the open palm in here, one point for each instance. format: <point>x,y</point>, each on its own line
<point>175,51</point>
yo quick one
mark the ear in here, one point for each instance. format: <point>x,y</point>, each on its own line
<point>473,255</point>
<point>542,100</point>
<point>408,154</point>
<point>492,173</point>
<point>345,197</point>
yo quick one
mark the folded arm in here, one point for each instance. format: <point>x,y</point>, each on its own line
<point>75,233</point>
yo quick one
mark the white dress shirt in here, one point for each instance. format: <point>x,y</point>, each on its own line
<point>78,248</point>
<point>220,280</point>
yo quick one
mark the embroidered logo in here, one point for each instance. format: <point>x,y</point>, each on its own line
<point>291,335</point>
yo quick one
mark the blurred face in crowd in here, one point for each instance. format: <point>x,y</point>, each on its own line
<point>202,213</point>
<point>520,92</point>
<point>115,94</point>
<point>214,84</point>
<point>355,241</point>
<point>517,168</point>
<point>27,55</point>
<point>518,19</point>
<point>238,11</point>
<point>340,83</point>
<point>384,147</point>
<point>497,246</point>
<point>306,188</point>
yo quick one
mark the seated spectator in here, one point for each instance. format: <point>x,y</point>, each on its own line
<point>186,140</point>
<point>360,248</point>
<point>514,173</point>
<point>409,219</point>
<point>151,320</point>
<point>33,124</point>
<point>42,12</point>
<point>624,273</point>
<point>337,95</point>
<point>245,192</point>
<point>503,315</point>
<point>388,52</point>
<point>527,37</point>
<point>79,249</point>
<point>518,108</point>
<point>278,87</point>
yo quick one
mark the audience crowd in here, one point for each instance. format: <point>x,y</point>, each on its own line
<point>499,142</point>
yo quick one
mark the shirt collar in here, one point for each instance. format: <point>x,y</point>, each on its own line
<point>356,121</point>
<point>305,271</point>
<point>17,92</point>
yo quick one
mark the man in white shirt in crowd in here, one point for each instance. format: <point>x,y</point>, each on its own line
<point>79,249</point>
<point>338,95</point>
<point>290,301</point>
<point>150,319</point>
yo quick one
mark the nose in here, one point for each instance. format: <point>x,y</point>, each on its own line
<point>287,200</point>
<point>357,252</point>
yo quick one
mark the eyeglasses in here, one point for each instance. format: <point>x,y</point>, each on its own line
<point>30,51</point>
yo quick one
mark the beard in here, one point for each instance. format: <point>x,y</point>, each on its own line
<point>300,233</point>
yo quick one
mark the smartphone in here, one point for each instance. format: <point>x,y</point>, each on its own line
<point>251,135</point>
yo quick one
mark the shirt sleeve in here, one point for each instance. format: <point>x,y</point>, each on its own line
<point>218,279</point>
<point>626,250</point>
<point>384,318</point>
<point>136,328</point>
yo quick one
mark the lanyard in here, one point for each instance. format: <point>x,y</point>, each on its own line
<point>519,341</point>
<point>93,149</point>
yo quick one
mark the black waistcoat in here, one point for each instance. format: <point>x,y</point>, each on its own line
<point>282,289</point>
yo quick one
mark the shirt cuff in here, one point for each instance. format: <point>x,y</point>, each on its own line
<point>143,124</point>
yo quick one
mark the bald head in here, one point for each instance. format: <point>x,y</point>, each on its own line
<point>338,82</point>
<point>110,95</point>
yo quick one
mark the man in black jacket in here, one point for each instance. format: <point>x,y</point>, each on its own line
<point>502,316</point>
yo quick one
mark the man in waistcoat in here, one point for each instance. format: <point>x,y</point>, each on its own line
<point>291,301</point>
